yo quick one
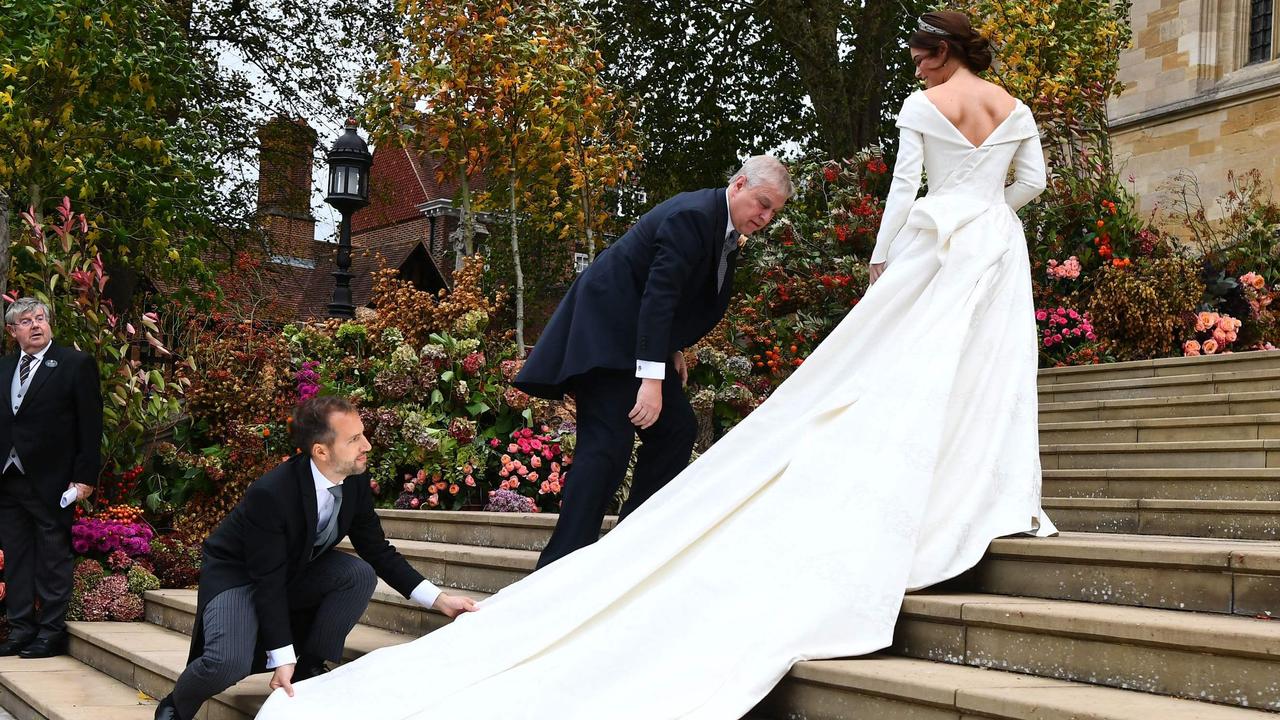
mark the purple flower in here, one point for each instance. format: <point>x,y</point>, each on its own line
<point>308,381</point>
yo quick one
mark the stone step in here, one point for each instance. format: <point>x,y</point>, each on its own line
<point>1200,574</point>
<point>969,627</point>
<point>1239,577</point>
<point>1235,519</point>
<point>1236,403</point>
<point>1262,484</point>
<point>63,688</point>
<point>149,657</point>
<point>516,531</point>
<point>1187,454</point>
<point>1162,367</point>
<point>899,688</point>
<point>1181,429</point>
<point>1213,383</point>
<point>1230,660</point>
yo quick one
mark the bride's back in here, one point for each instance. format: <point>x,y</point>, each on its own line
<point>975,107</point>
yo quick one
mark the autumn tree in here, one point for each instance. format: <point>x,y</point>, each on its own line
<point>1060,57</point>
<point>716,80</point>
<point>513,92</point>
<point>92,106</point>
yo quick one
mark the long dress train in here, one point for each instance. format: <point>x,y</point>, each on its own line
<point>887,462</point>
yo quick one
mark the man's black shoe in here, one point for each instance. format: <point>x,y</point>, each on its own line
<point>14,645</point>
<point>308,667</point>
<point>45,647</point>
<point>165,710</point>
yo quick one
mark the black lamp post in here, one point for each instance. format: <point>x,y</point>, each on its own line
<point>349,161</point>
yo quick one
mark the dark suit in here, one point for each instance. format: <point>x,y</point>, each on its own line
<point>57,433</point>
<point>652,293</point>
<point>266,547</point>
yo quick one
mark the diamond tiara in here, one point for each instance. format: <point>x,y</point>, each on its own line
<point>931,29</point>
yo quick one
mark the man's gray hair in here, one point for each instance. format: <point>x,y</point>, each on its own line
<point>766,169</point>
<point>25,305</point>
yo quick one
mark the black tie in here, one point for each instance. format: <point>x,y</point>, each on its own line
<point>24,370</point>
<point>730,243</point>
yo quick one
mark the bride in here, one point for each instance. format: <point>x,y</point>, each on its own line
<point>886,463</point>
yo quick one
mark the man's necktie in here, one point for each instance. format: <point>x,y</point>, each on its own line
<point>24,369</point>
<point>329,535</point>
<point>730,243</point>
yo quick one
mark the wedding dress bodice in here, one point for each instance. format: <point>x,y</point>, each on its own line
<point>964,178</point>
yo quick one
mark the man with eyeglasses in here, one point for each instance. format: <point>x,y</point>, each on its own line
<point>50,431</point>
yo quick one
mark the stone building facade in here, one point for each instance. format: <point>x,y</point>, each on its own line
<point>1201,93</point>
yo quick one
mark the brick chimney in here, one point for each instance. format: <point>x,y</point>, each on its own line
<point>285,151</point>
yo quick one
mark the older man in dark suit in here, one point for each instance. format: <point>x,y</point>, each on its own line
<point>616,339</point>
<point>50,434</point>
<point>272,578</point>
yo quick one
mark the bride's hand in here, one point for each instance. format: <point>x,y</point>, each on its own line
<point>454,605</point>
<point>876,270</point>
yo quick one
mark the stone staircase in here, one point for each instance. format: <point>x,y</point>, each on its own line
<point>1153,602</point>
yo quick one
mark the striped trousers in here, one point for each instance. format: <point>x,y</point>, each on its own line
<point>336,585</point>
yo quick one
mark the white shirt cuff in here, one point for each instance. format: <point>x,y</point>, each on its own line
<point>425,594</point>
<point>651,370</point>
<point>282,656</point>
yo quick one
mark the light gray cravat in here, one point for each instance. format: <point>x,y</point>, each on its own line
<point>329,535</point>
<point>730,243</point>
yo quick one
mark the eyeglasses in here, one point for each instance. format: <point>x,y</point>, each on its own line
<point>29,321</point>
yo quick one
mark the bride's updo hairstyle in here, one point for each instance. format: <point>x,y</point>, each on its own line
<point>946,27</point>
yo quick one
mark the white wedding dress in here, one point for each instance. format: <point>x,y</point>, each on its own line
<point>886,463</point>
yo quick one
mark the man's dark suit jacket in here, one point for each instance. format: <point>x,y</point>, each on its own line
<point>268,540</point>
<point>651,293</point>
<point>58,429</point>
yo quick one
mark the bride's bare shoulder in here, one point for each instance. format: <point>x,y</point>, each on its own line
<point>986,94</point>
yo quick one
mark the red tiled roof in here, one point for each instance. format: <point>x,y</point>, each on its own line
<point>400,181</point>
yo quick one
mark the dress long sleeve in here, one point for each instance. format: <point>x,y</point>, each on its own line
<point>1029,174</point>
<point>902,192</point>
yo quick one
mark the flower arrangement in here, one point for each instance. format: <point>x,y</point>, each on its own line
<point>176,561</point>
<point>308,381</point>
<point>502,500</point>
<point>1066,270</point>
<point>1063,332</point>
<point>535,465</point>
<point>104,536</point>
<point>1214,333</point>
<point>98,595</point>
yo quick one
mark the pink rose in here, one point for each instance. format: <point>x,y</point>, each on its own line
<point>1210,346</point>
